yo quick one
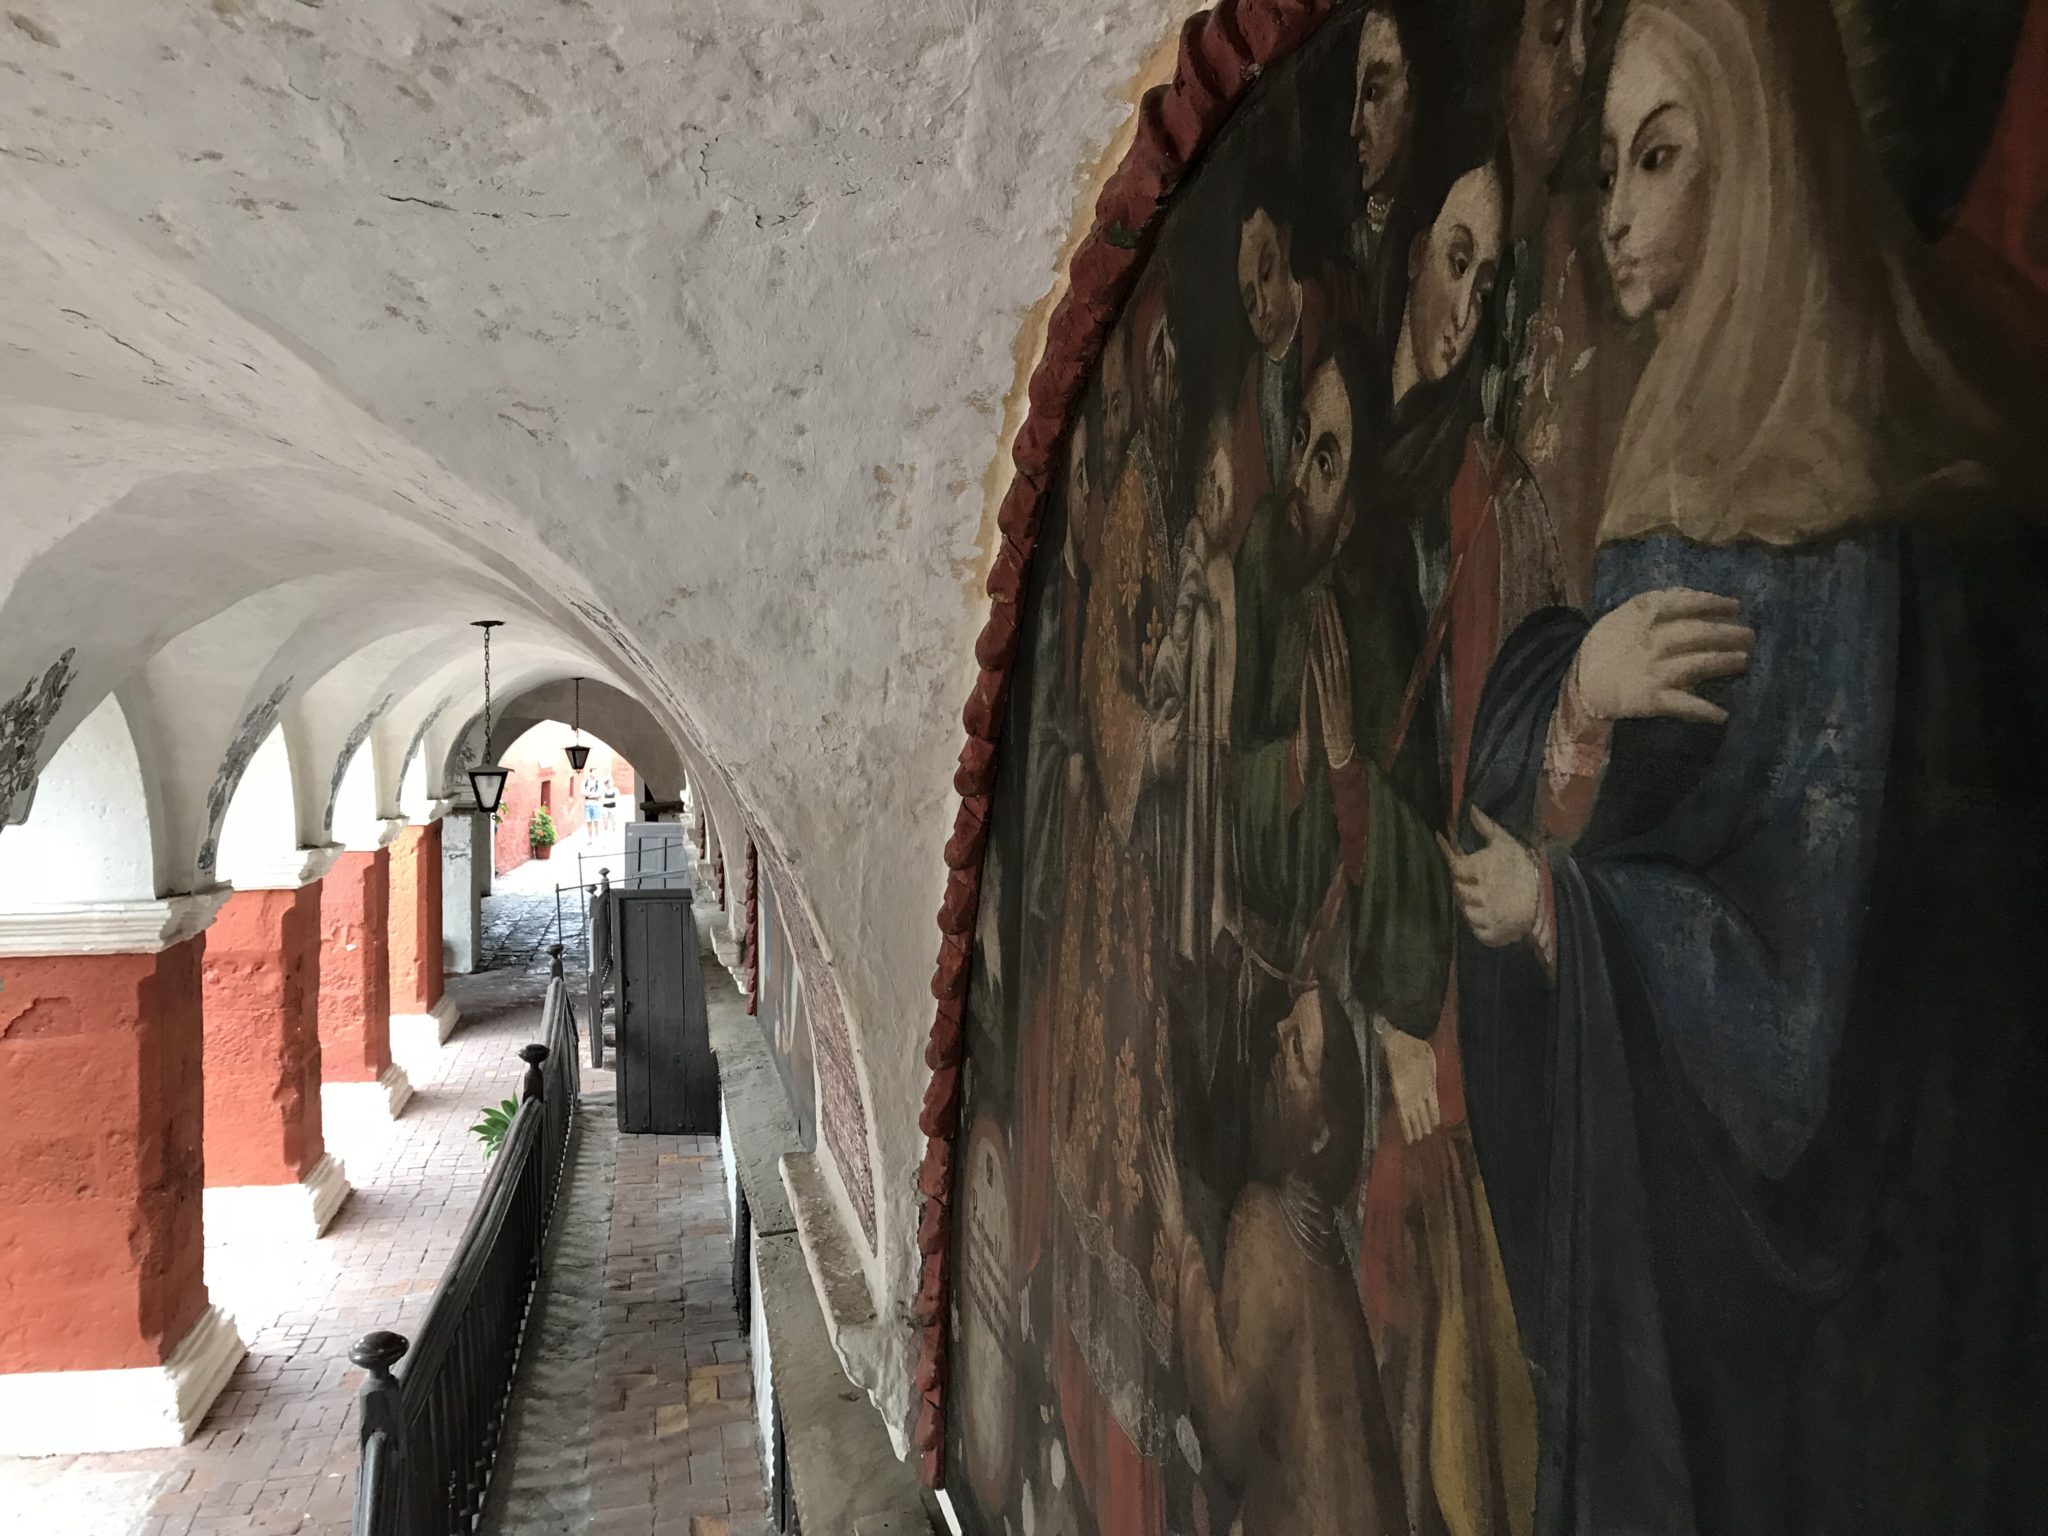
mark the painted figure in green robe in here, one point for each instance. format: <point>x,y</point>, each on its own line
<point>1335,793</point>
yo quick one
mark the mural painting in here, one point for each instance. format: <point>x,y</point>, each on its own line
<point>1506,996</point>
<point>779,988</point>
<point>24,721</point>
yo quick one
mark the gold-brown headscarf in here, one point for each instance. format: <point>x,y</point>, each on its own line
<point>1796,386</point>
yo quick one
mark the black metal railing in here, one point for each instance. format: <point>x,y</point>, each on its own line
<point>598,983</point>
<point>430,1427</point>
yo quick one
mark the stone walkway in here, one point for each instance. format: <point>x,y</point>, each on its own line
<point>669,1426</point>
<point>634,1411</point>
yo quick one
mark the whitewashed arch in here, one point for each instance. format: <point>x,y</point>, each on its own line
<point>260,833</point>
<point>356,822</point>
<point>89,834</point>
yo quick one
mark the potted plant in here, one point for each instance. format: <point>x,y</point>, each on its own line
<point>540,833</point>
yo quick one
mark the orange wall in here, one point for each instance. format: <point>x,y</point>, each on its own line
<point>355,968</point>
<point>101,1244</point>
<point>536,759</point>
<point>416,919</point>
<point>262,981</point>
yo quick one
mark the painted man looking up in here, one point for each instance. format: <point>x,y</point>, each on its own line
<point>1281,1377</point>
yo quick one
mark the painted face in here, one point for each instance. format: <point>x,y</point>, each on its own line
<point>1265,285</point>
<point>1322,461</point>
<point>1116,403</point>
<point>1077,490</point>
<point>1451,271</point>
<point>1382,112</point>
<point>1216,491</point>
<point>1545,78</point>
<point>1654,186</point>
<point>1162,378</point>
<point>1297,1087</point>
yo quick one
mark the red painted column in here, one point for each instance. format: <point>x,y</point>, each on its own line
<point>101,1244</point>
<point>416,919</point>
<point>268,1172</point>
<point>355,969</point>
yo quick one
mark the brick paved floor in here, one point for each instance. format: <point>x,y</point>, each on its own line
<point>636,1413</point>
<point>672,1442</point>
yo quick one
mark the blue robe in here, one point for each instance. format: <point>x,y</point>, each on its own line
<point>1790,1059</point>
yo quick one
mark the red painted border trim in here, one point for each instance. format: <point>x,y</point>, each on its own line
<point>1222,52</point>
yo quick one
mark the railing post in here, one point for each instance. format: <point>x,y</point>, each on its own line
<point>382,1409</point>
<point>535,1086</point>
<point>555,960</point>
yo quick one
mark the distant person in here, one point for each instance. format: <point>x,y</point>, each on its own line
<point>590,805</point>
<point>611,805</point>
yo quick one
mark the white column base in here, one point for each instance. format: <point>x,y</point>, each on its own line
<point>262,1213</point>
<point>420,1034</point>
<point>59,1413</point>
<point>377,1103</point>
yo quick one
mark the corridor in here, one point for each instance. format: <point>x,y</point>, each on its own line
<point>660,1402</point>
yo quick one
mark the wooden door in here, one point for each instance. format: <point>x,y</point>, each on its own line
<point>668,1078</point>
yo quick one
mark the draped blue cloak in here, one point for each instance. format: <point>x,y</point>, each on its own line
<point>1766,1158</point>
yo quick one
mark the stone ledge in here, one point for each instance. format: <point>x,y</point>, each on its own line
<point>828,1249</point>
<point>758,1121</point>
<point>261,1213</point>
<point>288,872</point>
<point>56,1413</point>
<point>110,927</point>
<point>842,1469</point>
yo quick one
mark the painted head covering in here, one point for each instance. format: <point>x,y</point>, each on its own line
<point>1796,386</point>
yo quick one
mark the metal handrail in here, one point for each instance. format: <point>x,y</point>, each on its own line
<point>430,1429</point>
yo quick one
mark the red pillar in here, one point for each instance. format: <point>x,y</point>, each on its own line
<point>106,1335</point>
<point>422,1016</point>
<point>267,1168</point>
<point>355,982</point>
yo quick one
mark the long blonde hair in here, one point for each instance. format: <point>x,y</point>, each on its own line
<point>1796,386</point>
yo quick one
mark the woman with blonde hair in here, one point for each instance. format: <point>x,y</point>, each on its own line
<point>1756,871</point>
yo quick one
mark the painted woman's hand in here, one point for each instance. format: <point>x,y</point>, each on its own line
<point>1499,889</point>
<point>1648,656</point>
<point>1411,1070</point>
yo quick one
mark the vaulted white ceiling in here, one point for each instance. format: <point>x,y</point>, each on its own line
<point>682,336</point>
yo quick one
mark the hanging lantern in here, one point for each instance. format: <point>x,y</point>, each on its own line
<point>577,753</point>
<point>486,778</point>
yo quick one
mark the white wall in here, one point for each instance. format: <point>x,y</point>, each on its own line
<point>87,837</point>
<point>356,822</point>
<point>262,826</point>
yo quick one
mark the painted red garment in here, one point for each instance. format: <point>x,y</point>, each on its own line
<point>1997,248</point>
<point>1033,1178</point>
<point>1123,1490</point>
<point>1429,1270</point>
<point>1472,638</point>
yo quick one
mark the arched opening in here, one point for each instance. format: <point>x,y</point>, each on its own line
<point>261,829</point>
<point>355,822</point>
<point>415,800</point>
<point>88,836</point>
<point>582,813</point>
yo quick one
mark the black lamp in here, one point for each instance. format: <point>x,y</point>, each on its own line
<point>578,754</point>
<point>487,779</point>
